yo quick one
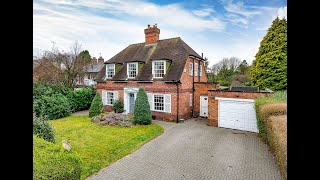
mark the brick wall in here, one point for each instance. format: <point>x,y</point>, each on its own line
<point>155,87</point>
<point>213,103</point>
<point>185,89</point>
<point>201,89</point>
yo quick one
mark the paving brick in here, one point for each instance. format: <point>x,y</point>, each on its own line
<point>193,150</point>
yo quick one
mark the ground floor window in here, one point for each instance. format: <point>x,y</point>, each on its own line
<point>159,102</point>
<point>109,97</point>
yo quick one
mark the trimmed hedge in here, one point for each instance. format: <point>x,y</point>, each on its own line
<point>96,107</point>
<point>142,113</point>
<point>51,161</point>
<point>279,96</point>
<point>83,98</point>
<point>47,99</point>
<point>56,106</point>
<point>42,128</point>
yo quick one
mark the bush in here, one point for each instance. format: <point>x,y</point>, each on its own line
<point>54,107</point>
<point>42,128</point>
<point>113,119</point>
<point>83,98</point>
<point>279,96</point>
<point>117,106</point>
<point>96,107</point>
<point>51,161</point>
<point>276,128</point>
<point>142,113</point>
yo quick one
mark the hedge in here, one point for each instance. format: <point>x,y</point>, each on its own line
<point>51,161</point>
<point>58,101</point>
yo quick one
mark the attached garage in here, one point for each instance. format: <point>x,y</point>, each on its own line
<point>237,114</point>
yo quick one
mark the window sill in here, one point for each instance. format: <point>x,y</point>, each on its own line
<point>160,111</point>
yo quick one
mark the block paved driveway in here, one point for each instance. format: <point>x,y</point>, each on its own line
<point>193,150</point>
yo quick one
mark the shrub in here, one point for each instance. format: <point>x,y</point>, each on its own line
<point>276,128</point>
<point>83,98</point>
<point>142,113</point>
<point>42,128</point>
<point>96,107</point>
<point>113,119</point>
<point>117,106</point>
<point>54,107</point>
<point>279,96</point>
<point>51,161</point>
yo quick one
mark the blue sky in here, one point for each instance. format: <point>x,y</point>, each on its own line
<point>216,28</point>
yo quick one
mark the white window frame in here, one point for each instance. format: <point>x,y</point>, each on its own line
<point>191,99</point>
<point>166,102</point>
<point>164,68</point>
<point>128,64</point>
<point>105,97</point>
<point>191,69</point>
<point>107,69</point>
<point>154,102</point>
<point>200,69</point>
<point>196,66</point>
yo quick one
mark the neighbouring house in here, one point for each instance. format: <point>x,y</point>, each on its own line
<point>166,68</point>
<point>175,80</point>
<point>45,71</point>
<point>92,69</point>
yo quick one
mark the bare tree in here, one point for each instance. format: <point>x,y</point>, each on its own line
<point>71,64</point>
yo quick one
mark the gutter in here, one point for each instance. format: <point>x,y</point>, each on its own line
<point>176,82</point>
<point>193,89</point>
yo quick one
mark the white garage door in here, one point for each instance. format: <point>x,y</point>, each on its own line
<point>237,114</point>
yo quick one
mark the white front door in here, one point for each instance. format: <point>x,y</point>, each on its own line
<point>131,103</point>
<point>204,106</point>
<point>237,114</point>
<point>130,94</point>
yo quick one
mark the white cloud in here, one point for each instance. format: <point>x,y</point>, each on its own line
<point>203,12</point>
<point>282,12</point>
<point>239,8</point>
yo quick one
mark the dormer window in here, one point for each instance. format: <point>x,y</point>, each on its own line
<point>132,70</point>
<point>158,69</point>
<point>110,69</point>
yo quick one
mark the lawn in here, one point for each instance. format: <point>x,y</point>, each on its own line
<point>98,146</point>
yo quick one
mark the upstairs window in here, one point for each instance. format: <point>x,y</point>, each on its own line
<point>200,69</point>
<point>196,69</point>
<point>191,69</point>
<point>158,69</point>
<point>110,70</point>
<point>132,70</point>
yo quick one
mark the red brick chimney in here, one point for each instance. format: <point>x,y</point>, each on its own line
<point>100,60</point>
<point>152,34</point>
<point>94,60</point>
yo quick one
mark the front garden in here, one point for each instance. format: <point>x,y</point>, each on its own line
<point>97,145</point>
<point>95,141</point>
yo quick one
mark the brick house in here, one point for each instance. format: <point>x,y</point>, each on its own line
<point>168,69</point>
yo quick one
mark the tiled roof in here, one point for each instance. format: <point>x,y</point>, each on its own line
<point>174,49</point>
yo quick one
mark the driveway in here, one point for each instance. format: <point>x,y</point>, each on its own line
<point>193,150</point>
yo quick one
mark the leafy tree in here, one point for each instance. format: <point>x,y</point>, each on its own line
<point>96,107</point>
<point>142,113</point>
<point>269,69</point>
<point>243,68</point>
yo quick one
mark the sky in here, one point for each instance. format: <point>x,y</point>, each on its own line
<point>216,28</point>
